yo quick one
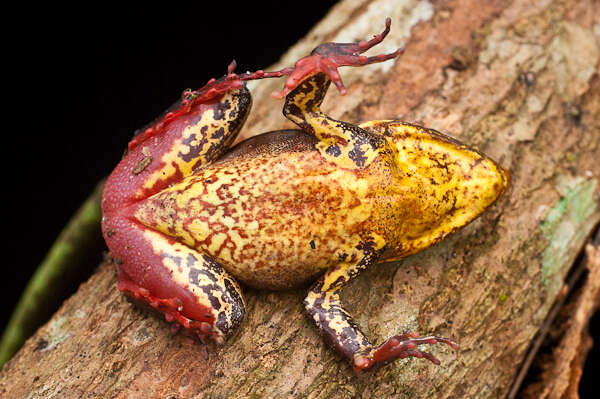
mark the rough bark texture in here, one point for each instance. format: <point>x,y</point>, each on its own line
<point>517,79</point>
<point>558,366</point>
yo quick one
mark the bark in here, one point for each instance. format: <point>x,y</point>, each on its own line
<point>558,367</point>
<point>517,79</point>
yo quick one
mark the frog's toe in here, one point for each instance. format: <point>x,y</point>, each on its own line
<point>399,347</point>
<point>196,330</point>
<point>171,308</point>
<point>328,57</point>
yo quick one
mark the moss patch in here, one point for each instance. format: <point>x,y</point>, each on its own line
<point>567,223</point>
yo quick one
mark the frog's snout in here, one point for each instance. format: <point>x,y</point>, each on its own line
<point>490,182</point>
<point>500,180</point>
<point>505,179</point>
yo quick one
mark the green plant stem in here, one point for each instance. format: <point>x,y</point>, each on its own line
<point>67,254</point>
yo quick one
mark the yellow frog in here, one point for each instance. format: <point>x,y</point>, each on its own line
<point>185,216</point>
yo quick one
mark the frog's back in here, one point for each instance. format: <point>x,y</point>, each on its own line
<point>275,212</point>
<point>272,210</point>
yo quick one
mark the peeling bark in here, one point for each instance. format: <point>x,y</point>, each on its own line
<point>558,366</point>
<point>519,80</point>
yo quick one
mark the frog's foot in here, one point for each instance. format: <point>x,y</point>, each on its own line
<point>335,324</point>
<point>190,288</point>
<point>399,347</point>
<point>327,57</point>
<point>171,308</point>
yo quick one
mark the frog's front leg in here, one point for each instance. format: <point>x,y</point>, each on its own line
<point>339,329</point>
<point>344,144</point>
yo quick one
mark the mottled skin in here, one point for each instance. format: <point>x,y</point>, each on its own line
<point>184,216</point>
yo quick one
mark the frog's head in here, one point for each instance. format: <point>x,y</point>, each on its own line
<point>442,184</point>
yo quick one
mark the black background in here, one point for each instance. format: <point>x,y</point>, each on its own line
<point>85,77</point>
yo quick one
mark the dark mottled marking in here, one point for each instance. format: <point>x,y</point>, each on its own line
<point>176,259</point>
<point>214,150</point>
<point>340,280</point>
<point>188,140</point>
<point>477,162</point>
<point>305,101</point>
<point>358,156</point>
<point>210,264</point>
<point>366,246</point>
<point>222,322</point>
<point>228,322</point>
<point>232,291</point>
<point>349,333</point>
<point>293,109</point>
<point>195,150</point>
<point>348,339</point>
<point>217,294</point>
<point>333,150</point>
<point>442,165</point>
<point>214,301</point>
<point>194,279</point>
<point>191,259</point>
<point>220,109</point>
<point>238,111</point>
<point>218,134</point>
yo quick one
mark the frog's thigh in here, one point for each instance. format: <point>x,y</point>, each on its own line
<point>325,308</point>
<point>187,286</point>
<point>191,141</point>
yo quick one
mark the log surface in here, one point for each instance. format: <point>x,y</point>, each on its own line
<point>517,79</point>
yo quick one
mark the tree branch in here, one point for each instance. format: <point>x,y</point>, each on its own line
<point>517,79</point>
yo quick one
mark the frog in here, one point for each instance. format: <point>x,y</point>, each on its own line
<point>188,216</point>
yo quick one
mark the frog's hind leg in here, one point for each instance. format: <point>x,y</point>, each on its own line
<point>197,130</point>
<point>339,329</point>
<point>188,287</point>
